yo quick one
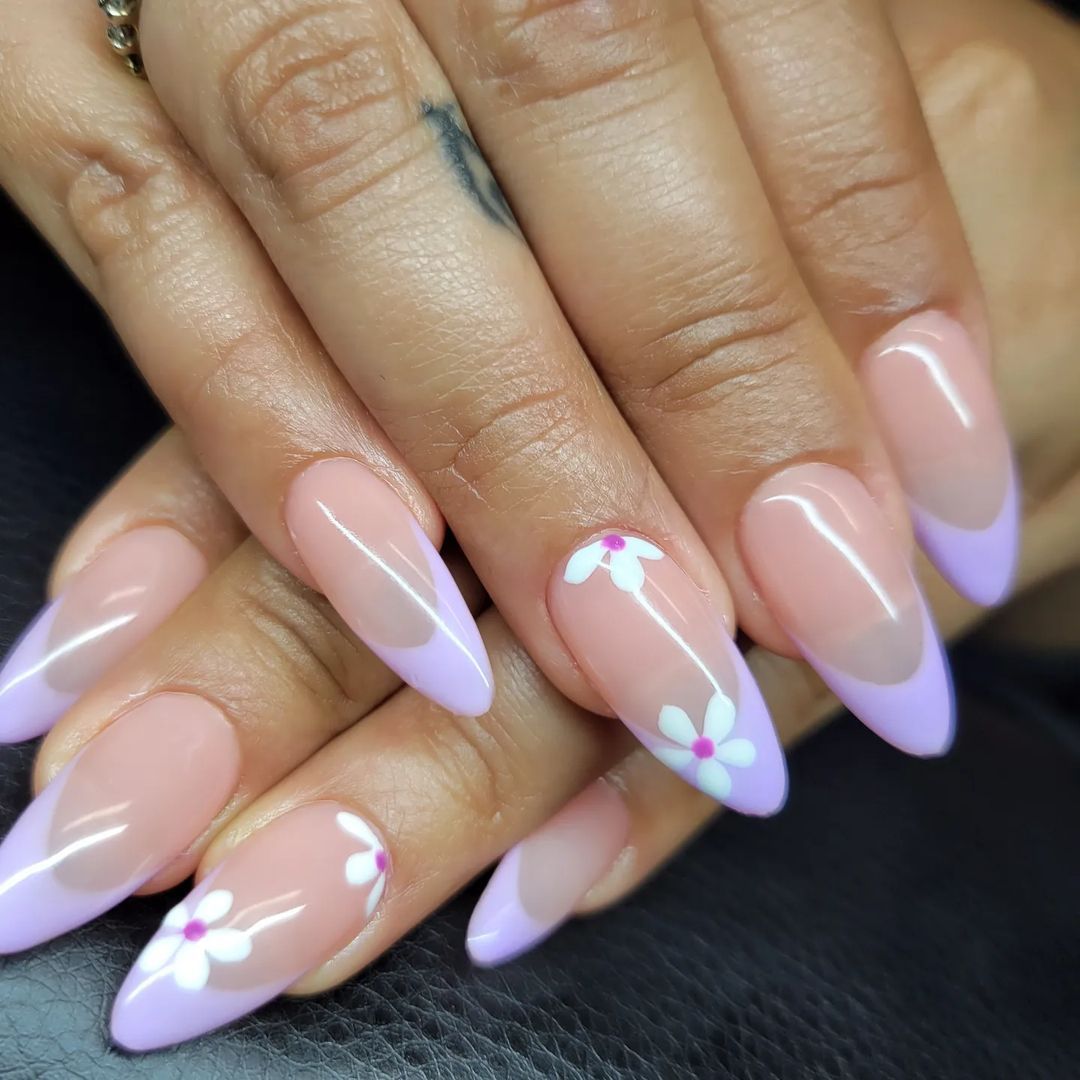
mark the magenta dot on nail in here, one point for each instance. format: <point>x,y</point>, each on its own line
<point>703,748</point>
<point>613,543</point>
<point>195,930</point>
<point>380,861</point>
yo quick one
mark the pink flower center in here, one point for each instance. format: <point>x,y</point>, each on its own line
<point>195,930</point>
<point>613,543</point>
<point>703,748</point>
<point>380,861</point>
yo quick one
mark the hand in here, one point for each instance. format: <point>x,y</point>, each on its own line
<point>338,159</point>
<point>449,797</point>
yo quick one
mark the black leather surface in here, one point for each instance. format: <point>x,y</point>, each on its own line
<point>900,920</point>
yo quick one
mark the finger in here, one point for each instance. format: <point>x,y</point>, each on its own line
<point>244,682</point>
<point>142,549</point>
<point>829,110</point>
<point>359,844</point>
<point>333,130</point>
<point>612,134</point>
<point>95,162</point>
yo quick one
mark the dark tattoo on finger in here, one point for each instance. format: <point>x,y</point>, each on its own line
<point>468,164</point>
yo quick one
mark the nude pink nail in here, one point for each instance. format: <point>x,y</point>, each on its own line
<point>377,567</point>
<point>285,900</point>
<point>932,395</point>
<point>106,609</point>
<point>830,570</point>
<point>650,642</point>
<point>137,796</point>
<point>540,881</point>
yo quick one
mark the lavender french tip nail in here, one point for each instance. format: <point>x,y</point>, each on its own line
<point>128,804</point>
<point>979,563</point>
<point>286,900</point>
<point>500,930</point>
<point>917,715</point>
<point>541,880</point>
<point>29,706</point>
<point>379,569</point>
<point>105,610</point>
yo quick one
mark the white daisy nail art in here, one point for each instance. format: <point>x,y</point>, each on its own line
<point>620,555</point>
<point>190,943</point>
<point>368,866</point>
<point>709,751</point>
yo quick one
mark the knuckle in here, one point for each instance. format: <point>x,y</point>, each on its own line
<point>133,195</point>
<point>542,51</point>
<point>741,336</point>
<point>512,443</point>
<point>290,639</point>
<point>323,102</point>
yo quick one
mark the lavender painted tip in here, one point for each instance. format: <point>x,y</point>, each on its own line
<point>979,564</point>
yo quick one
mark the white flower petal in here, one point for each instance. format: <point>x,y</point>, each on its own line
<point>738,752</point>
<point>719,717</point>
<point>626,572</point>
<point>360,868</point>
<point>713,779</point>
<point>358,827</point>
<point>191,969</point>
<point>177,918</point>
<point>227,945</point>
<point>159,952</point>
<point>642,549</point>
<point>375,895</point>
<point>673,757</point>
<point>583,562</point>
<point>677,726</point>
<point>214,905</point>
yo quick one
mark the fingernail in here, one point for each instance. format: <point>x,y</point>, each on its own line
<point>105,610</point>
<point>285,900</point>
<point>540,881</point>
<point>934,400</point>
<point>649,641</point>
<point>137,796</point>
<point>377,567</point>
<point>831,572</point>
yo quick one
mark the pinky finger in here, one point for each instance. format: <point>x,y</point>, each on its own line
<point>140,551</point>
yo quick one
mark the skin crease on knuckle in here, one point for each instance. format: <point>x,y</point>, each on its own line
<point>323,103</point>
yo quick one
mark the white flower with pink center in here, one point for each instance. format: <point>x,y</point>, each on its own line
<point>709,752</point>
<point>620,555</point>
<point>369,866</point>
<point>189,942</point>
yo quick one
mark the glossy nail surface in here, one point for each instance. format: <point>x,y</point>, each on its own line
<point>137,796</point>
<point>831,572</point>
<point>285,900</point>
<point>647,638</point>
<point>105,610</point>
<point>378,568</point>
<point>932,395</point>
<point>540,881</point>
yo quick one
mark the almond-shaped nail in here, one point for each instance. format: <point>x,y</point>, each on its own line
<point>377,567</point>
<point>137,796</point>
<point>540,881</point>
<point>931,393</point>
<point>104,611</point>
<point>284,901</point>
<point>831,571</point>
<point>650,642</point>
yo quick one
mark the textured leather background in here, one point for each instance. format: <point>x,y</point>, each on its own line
<point>900,920</point>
